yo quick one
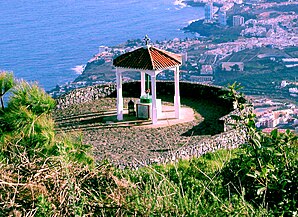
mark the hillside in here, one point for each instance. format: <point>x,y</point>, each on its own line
<point>263,71</point>
<point>43,173</point>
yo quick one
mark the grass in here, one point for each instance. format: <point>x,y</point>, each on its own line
<point>58,186</point>
<point>176,189</point>
<point>186,188</point>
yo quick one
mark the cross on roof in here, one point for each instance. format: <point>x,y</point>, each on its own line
<point>146,39</point>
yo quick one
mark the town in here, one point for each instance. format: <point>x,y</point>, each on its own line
<point>263,49</point>
<point>275,114</point>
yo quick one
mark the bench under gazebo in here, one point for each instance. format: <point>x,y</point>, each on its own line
<point>149,61</point>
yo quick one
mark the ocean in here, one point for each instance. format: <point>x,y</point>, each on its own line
<point>45,41</point>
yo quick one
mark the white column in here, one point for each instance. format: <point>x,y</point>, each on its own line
<point>177,94</point>
<point>153,91</point>
<point>119,96</point>
<point>143,91</point>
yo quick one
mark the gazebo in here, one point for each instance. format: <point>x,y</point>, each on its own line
<point>151,61</point>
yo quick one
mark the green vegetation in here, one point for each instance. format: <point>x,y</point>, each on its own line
<point>218,33</point>
<point>266,167</point>
<point>45,174</point>
<point>262,83</point>
<point>6,83</point>
<point>292,51</point>
<point>263,71</point>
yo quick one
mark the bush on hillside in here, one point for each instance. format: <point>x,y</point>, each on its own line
<point>42,173</point>
<point>266,167</point>
<point>28,128</point>
<point>26,122</point>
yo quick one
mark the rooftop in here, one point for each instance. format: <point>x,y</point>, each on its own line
<point>148,58</point>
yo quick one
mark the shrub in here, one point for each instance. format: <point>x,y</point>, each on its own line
<point>42,173</point>
<point>27,126</point>
<point>32,98</point>
<point>265,169</point>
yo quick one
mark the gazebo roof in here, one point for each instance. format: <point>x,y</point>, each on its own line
<point>148,58</point>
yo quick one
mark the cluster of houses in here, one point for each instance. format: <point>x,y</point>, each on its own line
<point>292,87</point>
<point>275,115</point>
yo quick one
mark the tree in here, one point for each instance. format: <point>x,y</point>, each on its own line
<point>6,83</point>
<point>27,128</point>
<point>27,119</point>
<point>235,68</point>
<point>32,97</point>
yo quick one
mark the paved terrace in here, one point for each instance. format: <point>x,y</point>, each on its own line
<point>133,140</point>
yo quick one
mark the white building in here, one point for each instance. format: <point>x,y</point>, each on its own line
<point>229,66</point>
<point>284,83</point>
<point>206,70</point>
<point>293,90</point>
<point>203,79</point>
<point>272,123</point>
<point>238,20</point>
<point>222,18</point>
<point>102,49</point>
<point>209,11</point>
<point>184,57</point>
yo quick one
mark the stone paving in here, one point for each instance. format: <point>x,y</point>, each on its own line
<point>126,144</point>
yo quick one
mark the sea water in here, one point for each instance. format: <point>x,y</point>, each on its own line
<point>45,41</point>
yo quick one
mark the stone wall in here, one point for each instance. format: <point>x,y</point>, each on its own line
<point>227,140</point>
<point>83,95</point>
<point>187,89</point>
<point>133,89</point>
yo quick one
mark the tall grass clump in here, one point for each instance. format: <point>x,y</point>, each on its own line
<point>186,188</point>
<point>42,173</point>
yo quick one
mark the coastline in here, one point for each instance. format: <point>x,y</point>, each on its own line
<point>201,4</point>
<point>202,18</point>
<point>48,55</point>
<point>195,4</point>
<point>193,21</point>
<point>80,69</point>
<point>180,3</point>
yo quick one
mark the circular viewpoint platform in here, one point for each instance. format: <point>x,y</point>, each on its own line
<point>132,140</point>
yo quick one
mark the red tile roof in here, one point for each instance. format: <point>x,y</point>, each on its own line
<point>148,58</point>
